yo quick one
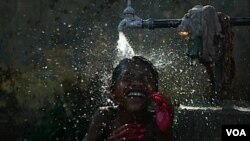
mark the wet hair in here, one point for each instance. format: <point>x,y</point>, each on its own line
<point>125,62</point>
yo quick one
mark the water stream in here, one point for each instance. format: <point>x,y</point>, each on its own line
<point>124,48</point>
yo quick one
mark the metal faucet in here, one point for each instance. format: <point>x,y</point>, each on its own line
<point>133,21</point>
<point>130,19</point>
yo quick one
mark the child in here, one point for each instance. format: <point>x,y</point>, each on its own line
<point>134,86</point>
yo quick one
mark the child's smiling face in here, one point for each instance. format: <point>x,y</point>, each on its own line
<point>134,86</point>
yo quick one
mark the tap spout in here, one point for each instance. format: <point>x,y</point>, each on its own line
<point>134,22</point>
<point>122,25</point>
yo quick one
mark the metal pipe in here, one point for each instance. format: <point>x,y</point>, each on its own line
<point>239,21</point>
<point>169,23</point>
<point>129,3</point>
<point>173,23</point>
<point>160,23</point>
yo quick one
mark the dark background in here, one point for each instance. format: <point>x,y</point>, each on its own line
<point>56,57</point>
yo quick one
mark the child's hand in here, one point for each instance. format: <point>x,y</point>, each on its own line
<point>128,132</point>
<point>163,112</point>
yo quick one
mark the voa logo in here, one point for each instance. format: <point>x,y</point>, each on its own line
<point>236,132</point>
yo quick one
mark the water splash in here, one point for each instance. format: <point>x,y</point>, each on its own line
<point>124,48</point>
<point>178,77</point>
<point>126,51</point>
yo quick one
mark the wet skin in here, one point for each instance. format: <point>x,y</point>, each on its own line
<point>135,84</point>
<point>131,120</point>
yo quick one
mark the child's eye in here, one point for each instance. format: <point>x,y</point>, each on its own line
<point>148,78</point>
<point>127,77</point>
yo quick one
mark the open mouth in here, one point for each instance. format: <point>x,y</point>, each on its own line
<point>135,94</point>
